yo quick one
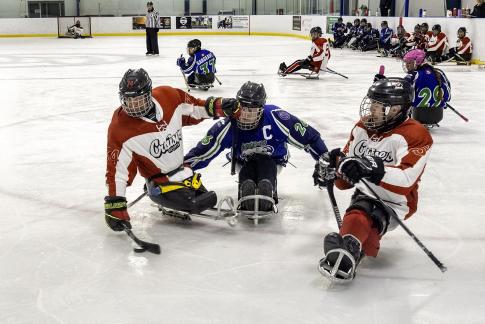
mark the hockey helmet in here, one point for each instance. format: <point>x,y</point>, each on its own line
<point>340,19</point>
<point>316,32</point>
<point>387,104</point>
<point>384,23</point>
<point>461,32</point>
<point>424,27</point>
<point>193,46</point>
<point>252,97</point>
<point>417,28</point>
<point>436,29</point>
<point>356,22</point>
<point>413,59</point>
<point>401,30</point>
<point>135,91</point>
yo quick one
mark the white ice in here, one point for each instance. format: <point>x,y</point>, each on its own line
<point>59,262</point>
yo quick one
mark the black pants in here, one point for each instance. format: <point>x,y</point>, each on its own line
<point>384,11</point>
<point>201,78</point>
<point>152,40</point>
<point>259,167</point>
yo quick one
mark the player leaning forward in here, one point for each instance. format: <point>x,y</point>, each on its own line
<point>389,151</point>
<point>145,134</point>
<point>316,61</point>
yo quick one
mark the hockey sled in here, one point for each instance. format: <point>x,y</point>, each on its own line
<point>256,214</point>
<point>306,75</point>
<point>220,212</point>
<point>333,273</point>
<point>203,87</point>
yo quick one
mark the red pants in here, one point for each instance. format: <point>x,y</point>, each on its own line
<point>357,223</point>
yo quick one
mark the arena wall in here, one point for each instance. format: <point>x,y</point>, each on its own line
<point>267,25</point>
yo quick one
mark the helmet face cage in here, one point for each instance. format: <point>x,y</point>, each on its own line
<point>461,32</point>
<point>136,106</point>
<point>250,116</point>
<point>379,116</point>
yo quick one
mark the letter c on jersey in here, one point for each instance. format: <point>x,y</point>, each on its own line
<point>266,133</point>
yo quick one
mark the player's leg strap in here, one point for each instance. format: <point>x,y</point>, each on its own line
<point>379,213</point>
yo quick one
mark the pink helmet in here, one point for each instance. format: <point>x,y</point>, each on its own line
<point>416,55</point>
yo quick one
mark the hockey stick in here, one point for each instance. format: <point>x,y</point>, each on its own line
<point>233,148</point>
<point>215,76</point>
<point>137,199</point>
<point>185,78</point>
<point>144,246</point>
<point>456,112</point>
<point>327,69</point>
<point>438,263</point>
<point>333,201</point>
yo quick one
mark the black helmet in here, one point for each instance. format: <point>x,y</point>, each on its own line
<point>363,20</point>
<point>357,21</point>
<point>462,29</point>
<point>340,19</point>
<point>417,28</point>
<point>136,84</point>
<point>388,92</point>
<point>425,25</point>
<point>384,23</point>
<point>195,43</point>
<point>316,29</point>
<point>437,28</point>
<point>252,98</point>
<point>252,94</point>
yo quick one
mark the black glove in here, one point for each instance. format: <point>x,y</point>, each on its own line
<point>116,213</point>
<point>352,169</point>
<point>378,77</point>
<point>325,167</point>
<point>222,107</point>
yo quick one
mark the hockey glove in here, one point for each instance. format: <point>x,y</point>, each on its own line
<point>353,169</point>
<point>378,77</point>
<point>181,61</point>
<point>116,214</point>
<point>222,107</point>
<point>325,167</point>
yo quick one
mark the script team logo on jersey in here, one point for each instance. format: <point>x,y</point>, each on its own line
<point>171,143</point>
<point>362,149</point>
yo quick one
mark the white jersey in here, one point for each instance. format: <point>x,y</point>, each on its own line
<point>152,148</point>
<point>404,151</point>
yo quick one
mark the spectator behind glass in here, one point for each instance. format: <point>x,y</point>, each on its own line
<point>479,10</point>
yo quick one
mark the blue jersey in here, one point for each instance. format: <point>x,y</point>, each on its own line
<point>202,62</point>
<point>386,34</point>
<point>339,28</point>
<point>426,87</point>
<point>277,128</point>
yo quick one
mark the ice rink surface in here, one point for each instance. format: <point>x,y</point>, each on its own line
<point>60,263</point>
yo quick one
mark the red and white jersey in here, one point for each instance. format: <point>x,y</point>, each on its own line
<point>438,43</point>
<point>404,151</point>
<point>152,148</point>
<point>464,45</point>
<point>320,52</point>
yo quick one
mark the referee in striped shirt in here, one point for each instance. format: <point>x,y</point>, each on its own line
<point>151,25</point>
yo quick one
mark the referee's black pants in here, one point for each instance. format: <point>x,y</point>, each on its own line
<point>152,40</point>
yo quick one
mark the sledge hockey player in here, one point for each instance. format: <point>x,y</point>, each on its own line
<point>370,39</point>
<point>353,31</point>
<point>355,40</point>
<point>462,52</point>
<point>76,30</point>
<point>389,151</point>
<point>436,45</point>
<point>258,138</point>
<point>316,61</point>
<point>145,134</point>
<point>200,67</point>
<point>339,29</point>
<point>431,86</point>
<point>400,43</point>
<point>385,37</point>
